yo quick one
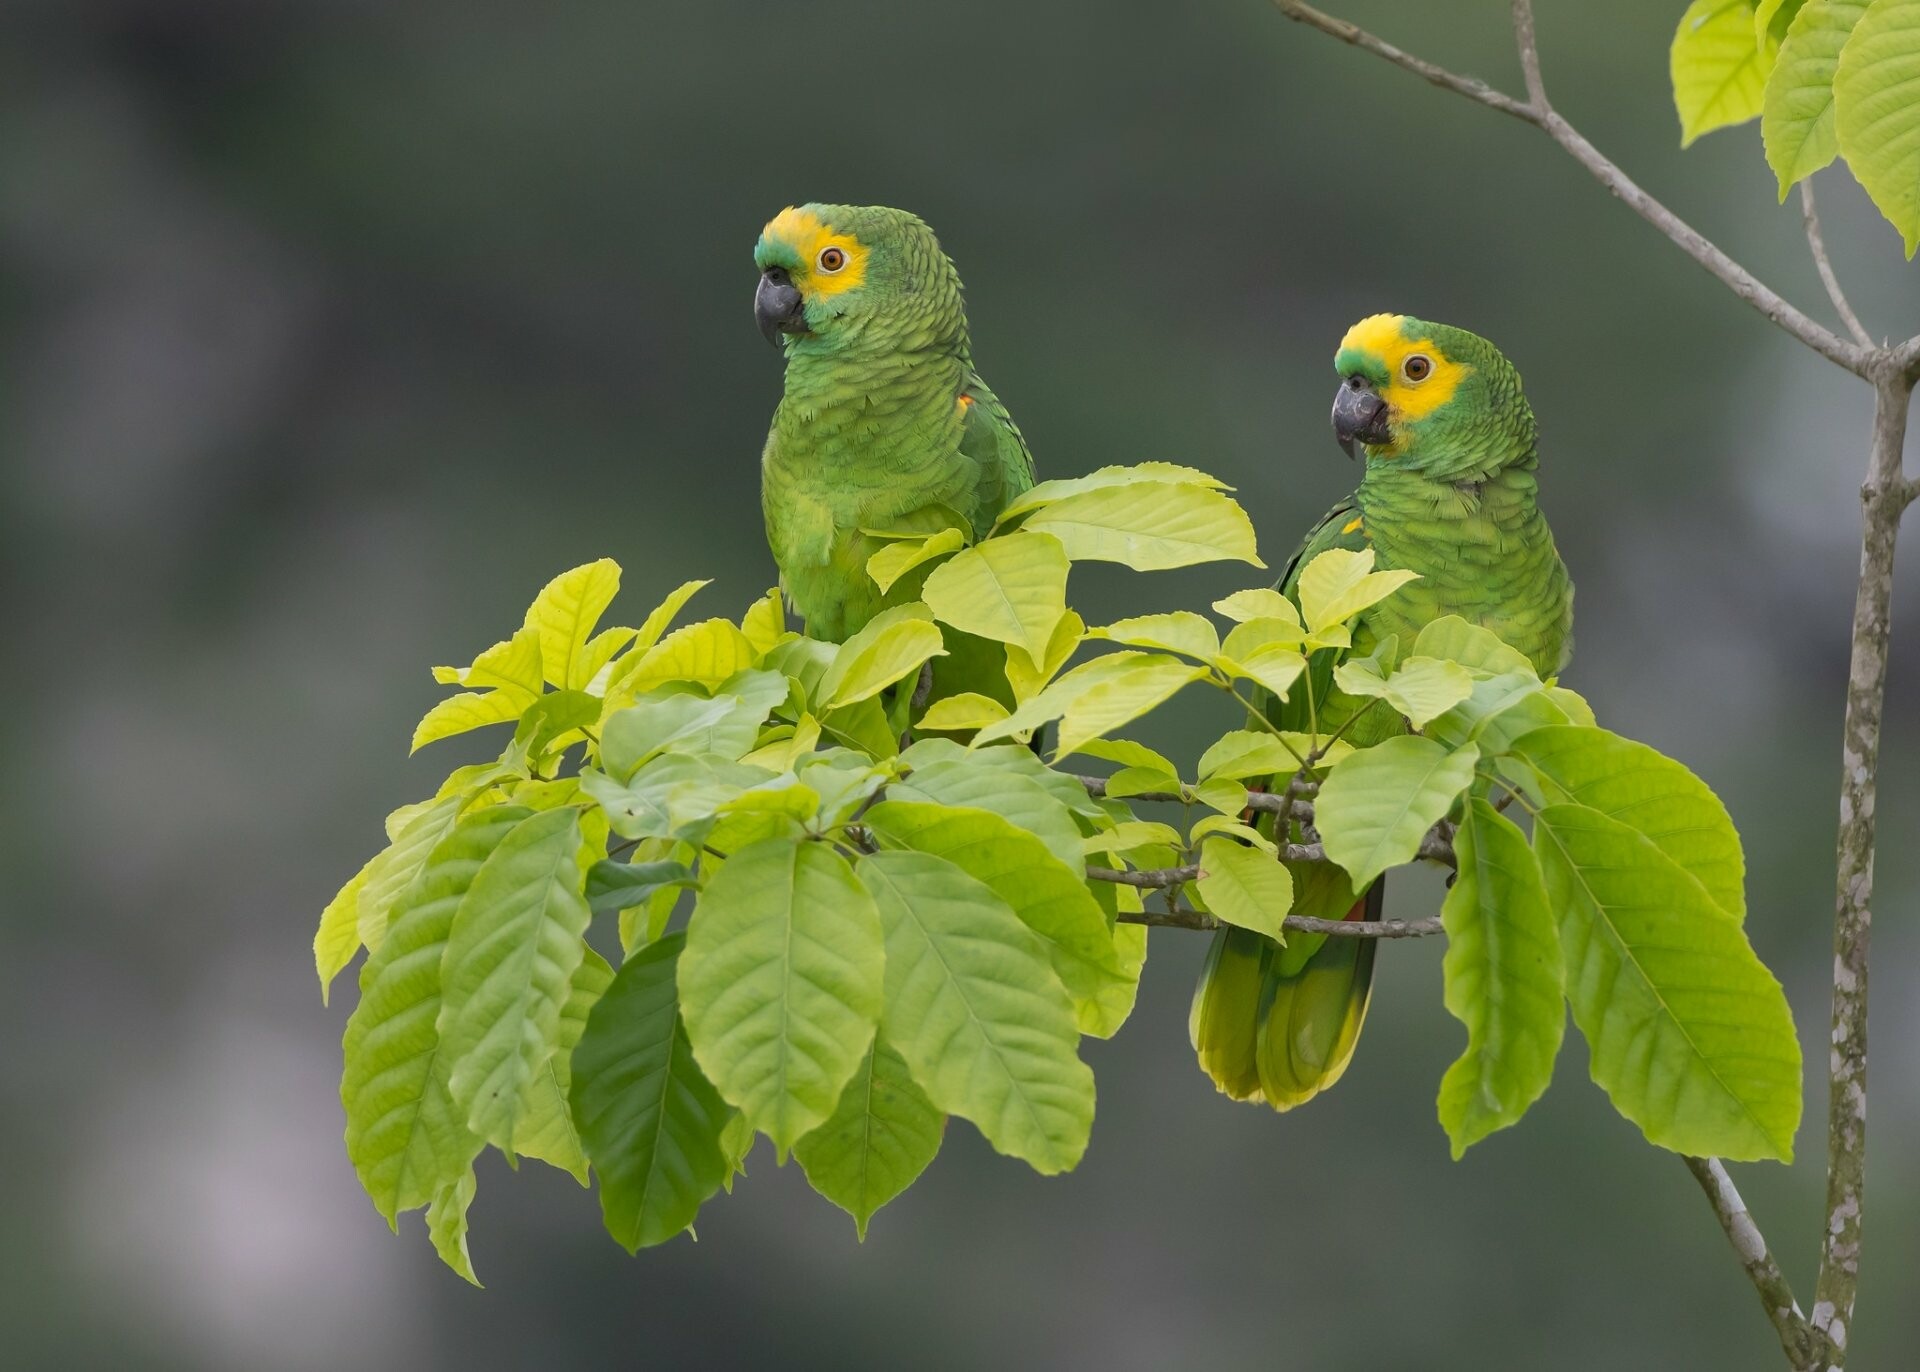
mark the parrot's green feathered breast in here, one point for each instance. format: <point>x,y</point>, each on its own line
<point>1449,492</point>
<point>884,423</point>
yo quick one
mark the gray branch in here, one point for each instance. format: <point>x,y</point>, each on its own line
<point>1185,917</point>
<point>1886,493</point>
<point>1539,113</point>
<point>1266,802</point>
<point>1796,1337</point>
<point>1882,501</point>
<point>1817,244</point>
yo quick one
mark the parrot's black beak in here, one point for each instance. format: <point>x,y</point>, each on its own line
<point>1359,415</point>
<point>777,307</point>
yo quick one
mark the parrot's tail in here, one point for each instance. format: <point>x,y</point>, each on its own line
<point>1267,1031</point>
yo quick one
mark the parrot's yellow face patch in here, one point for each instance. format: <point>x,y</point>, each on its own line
<point>1420,378</point>
<point>830,262</point>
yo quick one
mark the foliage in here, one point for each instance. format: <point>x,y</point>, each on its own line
<point>839,927</point>
<point>1826,78</point>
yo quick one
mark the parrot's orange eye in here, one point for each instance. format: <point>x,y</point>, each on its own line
<point>1417,368</point>
<point>832,259</point>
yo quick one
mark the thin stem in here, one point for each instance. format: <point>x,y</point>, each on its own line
<point>1539,113</point>
<point>1268,801</point>
<point>1185,917</point>
<point>1259,716</point>
<point>1834,1293</point>
<point>1817,243</point>
<point>1796,1337</point>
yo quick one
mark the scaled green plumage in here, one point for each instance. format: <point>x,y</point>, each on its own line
<point>884,423</point>
<point>1448,492</point>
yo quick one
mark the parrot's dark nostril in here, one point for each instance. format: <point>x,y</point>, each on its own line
<point>1359,383</point>
<point>777,275</point>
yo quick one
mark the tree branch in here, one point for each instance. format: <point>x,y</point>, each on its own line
<point>1817,242</point>
<point>1541,114</point>
<point>1267,802</point>
<point>1184,917</point>
<point>1881,499</point>
<point>1796,1337</point>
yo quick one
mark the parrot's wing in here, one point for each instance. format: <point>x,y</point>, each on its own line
<point>992,442</point>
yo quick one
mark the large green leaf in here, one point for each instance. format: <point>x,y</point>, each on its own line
<point>1375,807</point>
<point>1149,526</point>
<point>881,1136</point>
<point>1021,800</point>
<point>1719,69</point>
<point>887,649</point>
<point>1011,589</point>
<point>508,970</point>
<point>447,1222</point>
<point>902,556</point>
<point>1796,116</point>
<point>1650,793</point>
<point>564,614</point>
<point>1481,650</point>
<point>651,1123</point>
<point>1182,631</point>
<point>405,1137</point>
<point>338,937</point>
<point>544,1127</point>
<point>1244,886</point>
<point>685,722</point>
<point>780,983</point>
<point>383,879</point>
<point>1876,98</point>
<point>1421,688</point>
<point>1141,474</point>
<point>1042,890</point>
<point>469,710</point>
<point>1339,583</point>
<point>1504,979</point>
<point>1689,1035</point>
<point>975,1009</point>
<point>1114,702</point>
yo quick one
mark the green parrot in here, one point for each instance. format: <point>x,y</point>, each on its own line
<point>1449,492</point>
<point>884,423</point>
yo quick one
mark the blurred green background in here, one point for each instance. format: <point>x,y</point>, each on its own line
<point>330,329</point>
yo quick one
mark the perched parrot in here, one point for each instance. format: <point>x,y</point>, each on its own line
<point>1449,492</point>
<point>884,423</point>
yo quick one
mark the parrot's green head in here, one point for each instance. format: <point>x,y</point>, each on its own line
<point>1429,398</point>
<point>839,279</point>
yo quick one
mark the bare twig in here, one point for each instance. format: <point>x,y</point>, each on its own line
<point>1817,243</point>
<point>1266,801</point>
<point>1184,917</point>
<point>1471,87</point>
<point>1796,1338</point>
<point>1834,1293</point>
<point>1542,115</point>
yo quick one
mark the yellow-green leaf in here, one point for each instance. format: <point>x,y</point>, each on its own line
<point>1797,116</point>
<point>706,653</point>
<point>1182,632</point>
<point>468,710</point>
<point>1144,473</point>
<point>765,621</point>
<point>1022,674</point>
<point>1244,887</point>
<point>968,710</point>
<point>1876,94</point>
<point>1260,603</point>
<point>1719,67</point>
<point>1124,696</point>
<point>1340,583</point>
<point>1149,526</point>
<point>338,937</point>
<point>1012,590</point>
<point>1421,688</point>
<point>889,648</point>
<point>564,614</point>
<point>902,556</point>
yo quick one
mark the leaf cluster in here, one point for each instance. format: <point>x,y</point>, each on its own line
<point>845,914</point>
<point>1826,78</point>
